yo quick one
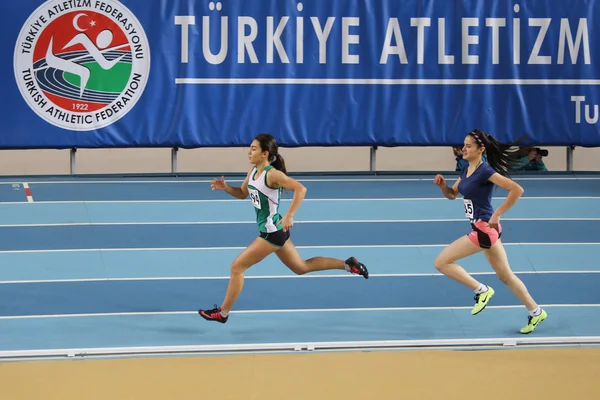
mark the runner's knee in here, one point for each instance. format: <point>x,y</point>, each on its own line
<point>441,263</point>
<point>506,277</point>
<point>299,268</point>
<point>238,268</point>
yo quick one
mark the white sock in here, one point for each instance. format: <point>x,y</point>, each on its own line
<point>535,312</point>
<point>346,267</point>
<point>224,314</point>
<point>481,289</point>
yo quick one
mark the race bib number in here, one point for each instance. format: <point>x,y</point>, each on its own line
<point>254,197</point>
<point>468,208</point>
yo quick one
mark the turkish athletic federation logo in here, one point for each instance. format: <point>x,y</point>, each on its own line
<point>82,64</point>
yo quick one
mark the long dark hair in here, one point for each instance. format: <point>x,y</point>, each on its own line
<point>499,156</point>
<point>269,144</point>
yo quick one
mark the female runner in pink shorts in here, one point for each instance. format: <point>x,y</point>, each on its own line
<point>476,183</point>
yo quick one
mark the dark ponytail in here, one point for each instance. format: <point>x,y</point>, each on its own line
<point>269,144</point>
<point>278,163</point>
<point>498,155</point>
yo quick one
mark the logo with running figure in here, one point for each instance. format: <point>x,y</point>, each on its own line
<point>82,64</point>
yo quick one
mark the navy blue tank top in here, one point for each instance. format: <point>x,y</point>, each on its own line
<point>477,192</point>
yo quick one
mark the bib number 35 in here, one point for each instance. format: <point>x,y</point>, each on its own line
<point>468,208</point>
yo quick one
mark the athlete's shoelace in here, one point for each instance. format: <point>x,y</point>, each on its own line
<point>214,313</point>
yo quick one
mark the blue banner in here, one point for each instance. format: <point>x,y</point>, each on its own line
<point>200,73</point>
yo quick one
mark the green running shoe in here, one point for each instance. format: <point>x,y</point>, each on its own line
<point>481,300</point>
<point>533,322</point>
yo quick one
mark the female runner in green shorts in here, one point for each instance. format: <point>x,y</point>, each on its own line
<point>264,184</point>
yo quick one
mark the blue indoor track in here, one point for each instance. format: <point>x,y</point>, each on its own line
<point>107,266</point>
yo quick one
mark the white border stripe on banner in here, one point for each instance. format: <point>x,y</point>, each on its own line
<point>348,81</point>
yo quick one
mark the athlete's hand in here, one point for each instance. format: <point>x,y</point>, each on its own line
<point>217,184</point>
<point>287,223</point>
<point>440,181</point>
<point>494,221</point>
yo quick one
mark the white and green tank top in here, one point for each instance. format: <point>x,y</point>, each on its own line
<point>265,201</point>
